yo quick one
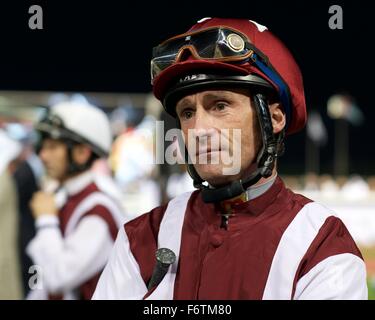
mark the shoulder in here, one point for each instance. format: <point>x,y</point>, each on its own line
<point>331,258</point>
<point>331,235</point>
<point>142,232</point>
<point>305,213</point>
<point>316,224</point>
<point>151,220</point>
<point>330,240</point>
<point>313,215</point>
<point>95,197</point>
<point>94,202</point>
<point>315,232</point>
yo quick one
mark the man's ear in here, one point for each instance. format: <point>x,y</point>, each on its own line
<point>277,117</point>
<point>81,153</point>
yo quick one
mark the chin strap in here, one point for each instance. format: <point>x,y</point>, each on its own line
<point>272,148</point>
<point>73,167</point>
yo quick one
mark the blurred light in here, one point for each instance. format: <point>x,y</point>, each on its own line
<point>17,131</point>
<point>344,107</point>
<point>338,106</point>
<point>315,128</point>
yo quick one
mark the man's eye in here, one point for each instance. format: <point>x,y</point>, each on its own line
<point>220,106</point>
<point>186,114</point>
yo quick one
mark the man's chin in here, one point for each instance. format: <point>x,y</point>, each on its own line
<point>215,177</point>
<point>52,175</point>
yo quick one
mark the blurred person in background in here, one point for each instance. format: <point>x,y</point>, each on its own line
<point>181,181</point>
<point>75,218</point>
<point>27,176</point>
<point>10,276</point>
<point>234,89</point>
<point>132,156</point>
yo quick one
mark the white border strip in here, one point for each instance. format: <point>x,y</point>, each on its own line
<point>170,237</point>
<point>92,200</point>
<point>293,245</point>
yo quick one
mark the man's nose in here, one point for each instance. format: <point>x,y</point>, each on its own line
<point>205,136</point>
<point>43,154</point>
<point>204,124</point>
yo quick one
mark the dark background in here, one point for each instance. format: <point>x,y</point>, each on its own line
<point>106,46</point>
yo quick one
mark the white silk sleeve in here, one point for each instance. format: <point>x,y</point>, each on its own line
<point>341,277</point>
<point>121,278</point>
<point>68,262</point>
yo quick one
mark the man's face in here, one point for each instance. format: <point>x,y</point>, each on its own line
<point>221,132</point>
<point>54,156</point>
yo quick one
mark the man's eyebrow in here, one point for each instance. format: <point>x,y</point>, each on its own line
<point>183,103</point>
<point>218,95</point>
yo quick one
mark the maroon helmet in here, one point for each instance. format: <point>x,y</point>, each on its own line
<point>182,56</point>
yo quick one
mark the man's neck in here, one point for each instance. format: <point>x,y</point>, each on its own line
<point>261,186</point>
<point>77,182</point>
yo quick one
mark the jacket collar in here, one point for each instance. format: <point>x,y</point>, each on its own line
<point>76,184</point>
<point>251,194</point>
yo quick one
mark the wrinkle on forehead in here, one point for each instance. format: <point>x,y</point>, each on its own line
<point>213,95</point>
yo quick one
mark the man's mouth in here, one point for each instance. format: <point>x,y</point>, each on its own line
<point>206,151</point>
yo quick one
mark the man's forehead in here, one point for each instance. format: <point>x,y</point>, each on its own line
<point>50,140</point>
<point>213,94</point>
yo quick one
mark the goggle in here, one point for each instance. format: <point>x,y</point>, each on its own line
<point>218,44</point>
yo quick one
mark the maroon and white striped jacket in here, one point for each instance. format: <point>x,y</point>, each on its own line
<point>279,245</point>
<point>73,248</point>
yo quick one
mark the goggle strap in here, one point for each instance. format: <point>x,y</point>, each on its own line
<point>260,54</point>
<point>276,79</point>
